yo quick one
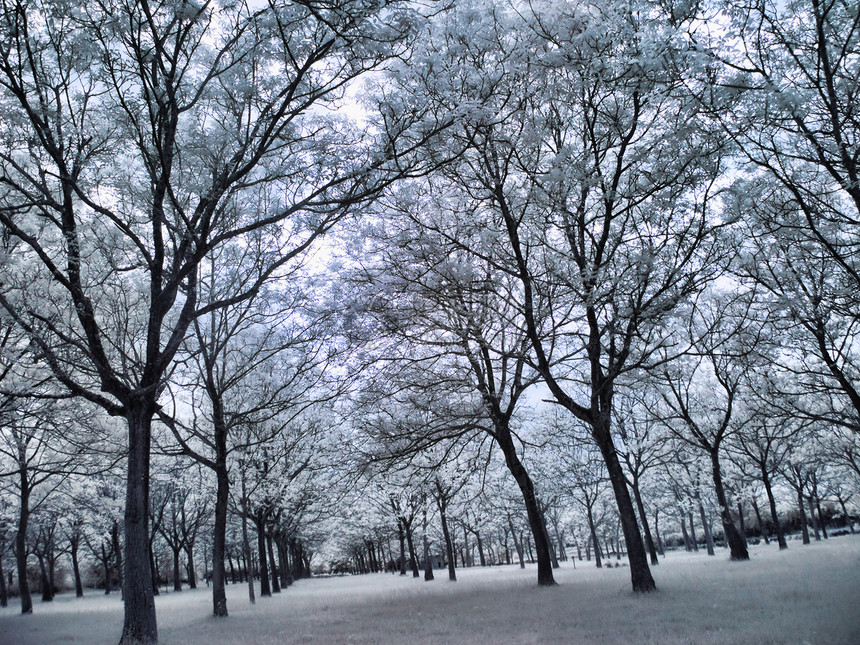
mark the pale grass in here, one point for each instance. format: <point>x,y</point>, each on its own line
<point>806,595</point>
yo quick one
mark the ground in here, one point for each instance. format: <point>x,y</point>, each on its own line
<point>805,595</point>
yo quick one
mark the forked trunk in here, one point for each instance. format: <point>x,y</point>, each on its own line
<point>780,534</point>
<point>640,574</point>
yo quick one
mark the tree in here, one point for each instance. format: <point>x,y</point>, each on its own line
<point>577,145</point>
<point>213,108</point>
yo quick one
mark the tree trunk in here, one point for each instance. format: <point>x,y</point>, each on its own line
<point>449,547</point>
<point>192,577</point>
<point>737,542</point>
<point>518,545</point>
<point>684,533</point>
<point>657,533</point>
<point>693,537</point>
<point>219,537</point>
<point>593,531</point>
<point>848,521</point>
<point>246,543</point>
<point>649,542</point>
<point>106,564</point>
<point>79,587</point>
<point>535,517</point>
<point>709,537</point>
<point>640,574</point>
<point>44,583</point>
<point>413,557</point>
<point>428,566</point>
<point>139,623</point>
<point>177,572</point>
<point>780,534</point>
<point>800,506</point>
<point>276,584</point>
<point>401,536</point>
<point>259,523</point>
<point>761,527</point>
<point>4,593</point>
<point>821,517</point>
<point>114,537</point>
<point>21,540</point>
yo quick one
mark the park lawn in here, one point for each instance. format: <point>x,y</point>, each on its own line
<point>805,595</point>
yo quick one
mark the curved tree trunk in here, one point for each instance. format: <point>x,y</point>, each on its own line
<point>780,534</point>
<point>449,547</point>
<point>640,574</point>
<point>535,517</point>
<point>737,542</point>
<point>76,570</point>
<point>649,542</point>
<point>709,537</point>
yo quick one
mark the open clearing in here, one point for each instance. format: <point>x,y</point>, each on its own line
<point>804,595</point>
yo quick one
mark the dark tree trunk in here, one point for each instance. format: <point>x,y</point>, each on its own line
<point>276,583</point>
<point>449,547</point>
<point>73,551</point>
<point>535,517</point>
<point>106,564</point>
<point>44,582</point>
<point>466,549</point>
<point>693,537</point>
<point>518,545</point>
<point>802,509</point>
<point>657,533</point>
<point>265,589</point>
<point>761,527</point>
<point>684,533</point>
<point>709,537</point>
<point>114,537</point>
<point>153,570</point>
<point>246,547</point>
<point>139,623</point>
<point>649,542</point>
<point>4,593</point>
<point>593,531</point>
<point>780,534</point>
<point>192,576</point>
<point>413,557</point>
<point>736,540</point>
<point>845,514</point>
<point>640,574</point>
<point>428,565</point>
<point>21,544</point>
<point>401,535</point>
<point>177,572</point>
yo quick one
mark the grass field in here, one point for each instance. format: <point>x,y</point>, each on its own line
<point>805,595</point>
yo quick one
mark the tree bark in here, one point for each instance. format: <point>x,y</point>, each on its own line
<point>79,587</point>
<point>649,542</point>
<point>709,537</point>
<point>413,557</point>
<point>276,584</point>
<point>139,623</point>
<point>737,542</point>
<point>761,527</point>
<point>259,523</point>
<point>401,536</point>
<point>802,510</point>
<point>21,539</point>
<point>449,547</point>
<point>780,534</point>
<point>535,517</point>
<point>640,574</point>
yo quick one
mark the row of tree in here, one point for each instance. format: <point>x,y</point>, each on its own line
<point>641,216</point>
